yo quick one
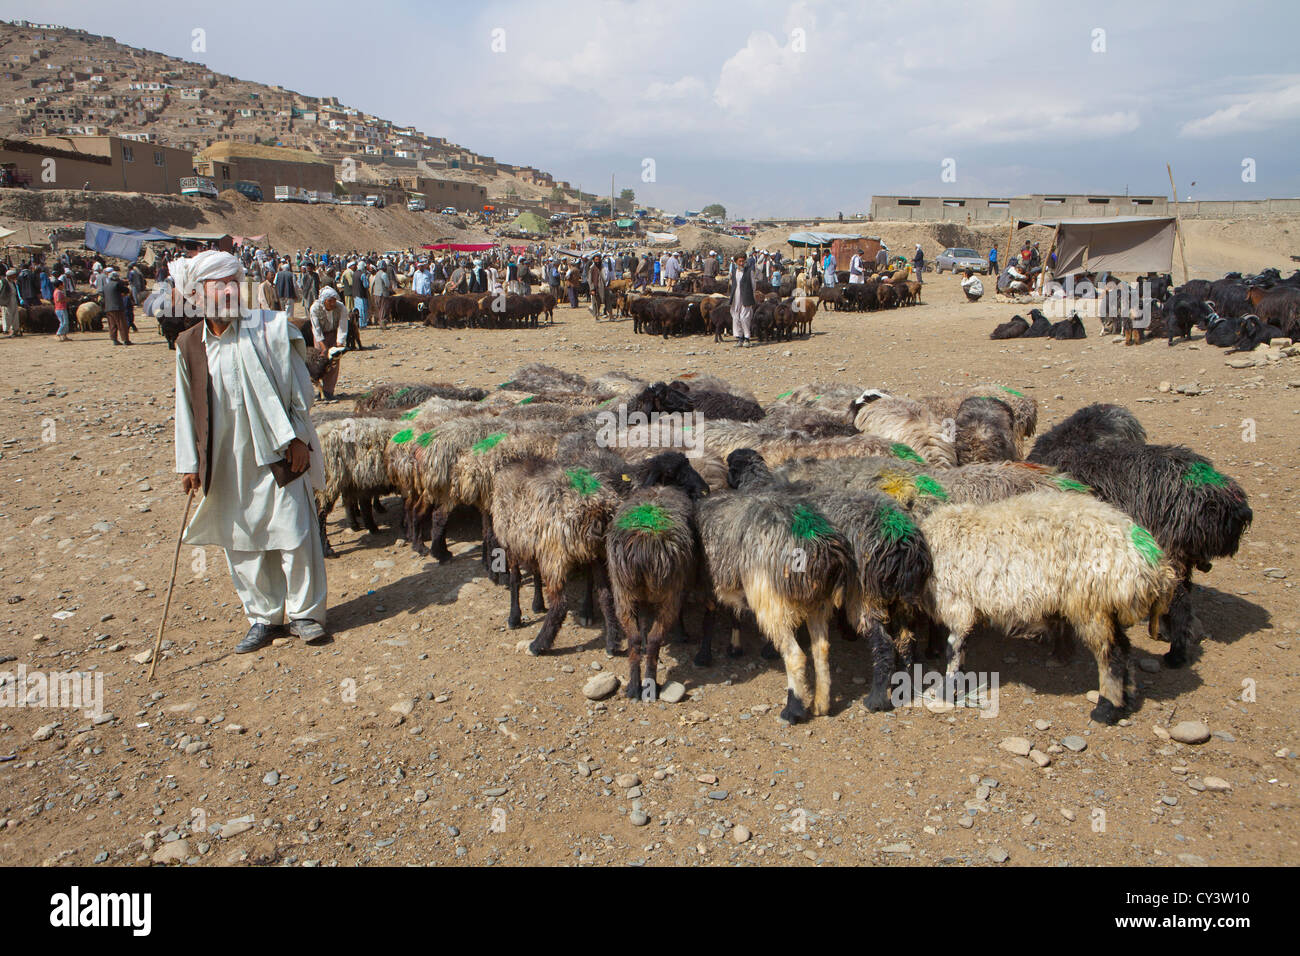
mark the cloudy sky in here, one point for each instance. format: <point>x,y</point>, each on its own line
<point>774,107</point>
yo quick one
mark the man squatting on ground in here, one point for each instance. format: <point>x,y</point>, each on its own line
<point>243,394</point>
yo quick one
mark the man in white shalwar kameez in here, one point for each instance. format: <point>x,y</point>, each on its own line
<point>253,413</point>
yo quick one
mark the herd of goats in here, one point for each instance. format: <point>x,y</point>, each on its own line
<point>1237,312</point>
<point>883,517</point>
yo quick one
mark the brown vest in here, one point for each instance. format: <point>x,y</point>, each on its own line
<point>195,355</point>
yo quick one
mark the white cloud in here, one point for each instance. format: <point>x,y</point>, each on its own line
<point>1250,113</point>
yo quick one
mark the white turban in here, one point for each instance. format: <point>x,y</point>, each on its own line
<point>190,274</point>
<point>328,293</point>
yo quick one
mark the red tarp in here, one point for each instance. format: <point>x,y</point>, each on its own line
<point>460,246</point>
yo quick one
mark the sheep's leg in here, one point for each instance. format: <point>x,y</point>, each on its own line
<point>820,645</point>
<point>438,533</point>
<point>554,618</point>
<point>350,506</point>
<point>935,648</point>
<point>586,610</point>
<point>367,516</point>
<point>377,505</point>
<point>1062,641</point>
<point>665,618</point>
<point>634,623</point>
<point>326,549</point>
<point>1109,644</point>
<point>605,595</point>
<point>956,650</point>
<point>1179,623</point>
<point>712,613</point>
<point>516,618</point>
<point>539,605</point>
<point>735,648</point>
<point>796,678</point>
<point>882,665</point>
<point>679,635</point>
<point>847,630</point>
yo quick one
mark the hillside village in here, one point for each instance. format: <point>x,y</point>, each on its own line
<point>69,89</point>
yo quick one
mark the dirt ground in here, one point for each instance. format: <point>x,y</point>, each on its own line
<point>423,734</point>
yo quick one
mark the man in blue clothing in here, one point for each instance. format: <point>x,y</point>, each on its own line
<point>993,261</point>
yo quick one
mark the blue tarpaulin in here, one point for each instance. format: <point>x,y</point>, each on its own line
<point>817,238</point>
<point>120,242</point>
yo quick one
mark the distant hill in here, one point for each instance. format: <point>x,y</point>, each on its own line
<point>59,80</point>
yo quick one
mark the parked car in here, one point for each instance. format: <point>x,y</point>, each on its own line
<point>449,210</point>
<point>959,260</point>
<point>415,205</point>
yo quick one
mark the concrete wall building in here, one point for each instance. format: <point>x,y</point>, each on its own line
<point>97,162</point>
<point>269,166</point>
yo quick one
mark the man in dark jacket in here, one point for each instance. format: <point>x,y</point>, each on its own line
<point>310,285</point>
<point>284,287</point>
<point>115,293</point>
<point>742,301</point>
<point>29,285</point>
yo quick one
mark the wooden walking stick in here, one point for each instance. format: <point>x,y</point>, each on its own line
<point>157,644</point>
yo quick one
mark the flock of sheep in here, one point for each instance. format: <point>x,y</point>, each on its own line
<point>891,518</point>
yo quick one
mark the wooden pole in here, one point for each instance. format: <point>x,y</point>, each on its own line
<point>1178,223</point>
<point>157,644</point>
<point>1006,253</point>
<point>1047,273</point>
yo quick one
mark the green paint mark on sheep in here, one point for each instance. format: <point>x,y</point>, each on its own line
<point>368,394</point>
<point>1070,484</point>
<point>895,526</point>
<point>424,440</point>
<point>905,452</point>
<point>400,392</point>
<point>487,444</point>
<point>604,403</point>
<point>402,437</point>
<point>506,384</point>
<point>1145,544</point>
<point>807,524</point>
<point>411,414</point>
<point>784,395</point>
<point>1201,474</point>
<point>527,401</point>
<point>647,517</point>
<point>1012,391</point>
<point>583,481</point>
<point>930,488</point>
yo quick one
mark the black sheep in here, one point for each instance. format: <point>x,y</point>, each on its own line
<point>1252,332</point>
<point>1194,512</point>
<point>1180,314</point>
<point>1040,328</point>
<point>1014,329</point>
<point>1071,328</point>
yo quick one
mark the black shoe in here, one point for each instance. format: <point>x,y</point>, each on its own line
<point>258,636</point>
<point>307,630</point>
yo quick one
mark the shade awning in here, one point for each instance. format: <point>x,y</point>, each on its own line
<point>1136,244</point>
<point>460,246</point>
<point>818,238</point>
<point>119,241</point>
